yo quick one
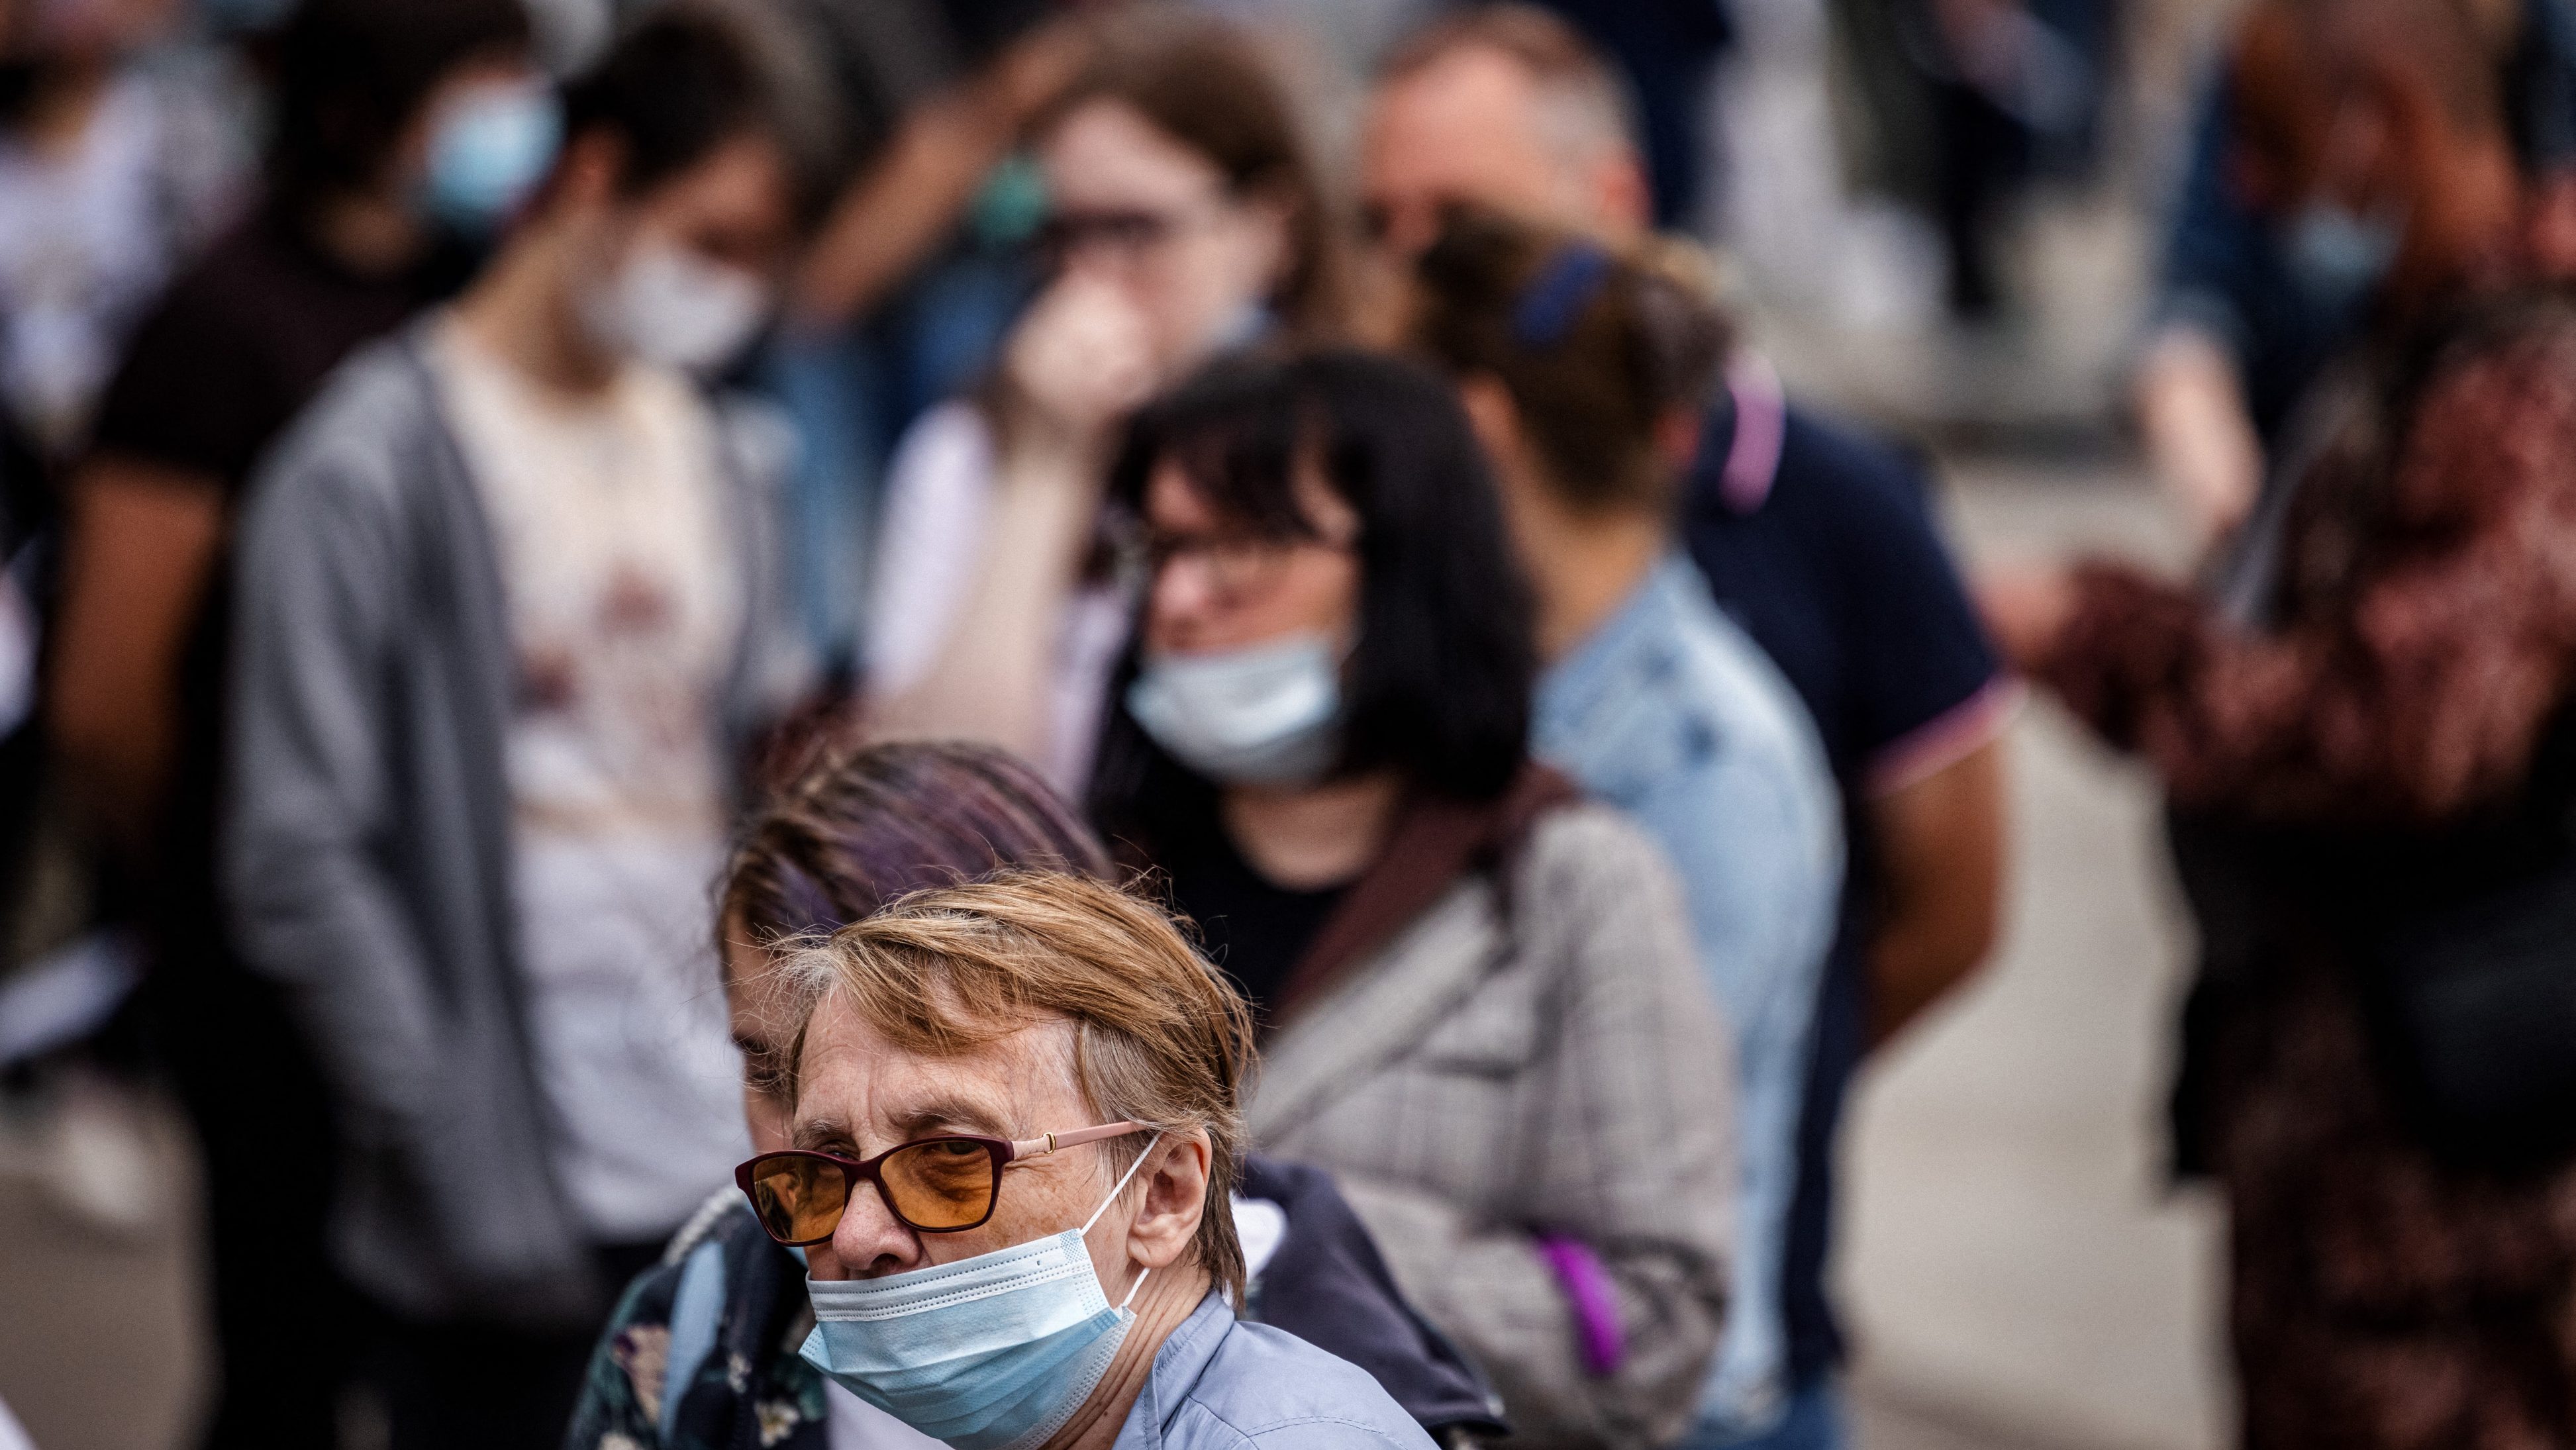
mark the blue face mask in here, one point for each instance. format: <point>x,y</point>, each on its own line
<point>995,1352</point>
<point>2339,259</point>
<point>487,151</point>
<point>1268,715</point>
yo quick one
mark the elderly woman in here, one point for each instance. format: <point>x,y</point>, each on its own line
<point>1485,1014</point>
<point>702,1351</point>
<point>1017,1118</point>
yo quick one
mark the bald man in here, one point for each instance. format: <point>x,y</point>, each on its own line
<point>1822,543</point>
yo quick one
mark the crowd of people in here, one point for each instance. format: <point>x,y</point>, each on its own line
<point>843,725</point>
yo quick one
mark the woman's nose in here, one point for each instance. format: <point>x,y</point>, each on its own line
<point>868,1243</point>
<point>1180,601</point>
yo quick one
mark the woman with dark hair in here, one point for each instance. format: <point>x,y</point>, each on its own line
<point>847,838</point>
<point>1484,1014</point>
<point>507,622</point>
<point>1184,218</point>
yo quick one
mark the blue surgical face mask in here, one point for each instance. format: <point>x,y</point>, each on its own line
<point>488,149</point>
<point>2339,258</point>
<point>1267,715</point>
<point>995,1352</point>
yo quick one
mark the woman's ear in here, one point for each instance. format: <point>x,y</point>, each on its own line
<point>1175,1200</point>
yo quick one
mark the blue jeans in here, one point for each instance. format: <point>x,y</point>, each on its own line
<point>1815,1421</point>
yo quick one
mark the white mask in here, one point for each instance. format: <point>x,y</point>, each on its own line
<point>667,305</point>
<point>1267,715</point>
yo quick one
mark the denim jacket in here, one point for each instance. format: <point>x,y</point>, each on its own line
<point>1671,713</point>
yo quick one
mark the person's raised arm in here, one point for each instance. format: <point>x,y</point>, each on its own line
<point>1075,365</point>
<point>907,201</point>
<point>143,544</point>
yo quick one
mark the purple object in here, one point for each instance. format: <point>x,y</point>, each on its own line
<point>1596,1309</point>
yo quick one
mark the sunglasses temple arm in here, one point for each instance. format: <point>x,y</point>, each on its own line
<point>1047,1143</point>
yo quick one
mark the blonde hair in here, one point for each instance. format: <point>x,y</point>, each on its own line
<point>1159,1036</point>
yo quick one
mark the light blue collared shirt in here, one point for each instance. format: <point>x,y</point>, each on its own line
<point>1220,1384</point>
<point>1671,713</point>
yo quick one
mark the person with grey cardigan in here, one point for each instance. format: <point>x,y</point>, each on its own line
<point>1484,1014</point>
<point>507,615</point>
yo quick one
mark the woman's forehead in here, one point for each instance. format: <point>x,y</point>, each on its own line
<point>854,1072</point>
<point>1106,153</point>
<point>1174,499</point>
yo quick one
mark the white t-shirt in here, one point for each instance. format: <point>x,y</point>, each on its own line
<point>938,507</point>
<point>625,615</point>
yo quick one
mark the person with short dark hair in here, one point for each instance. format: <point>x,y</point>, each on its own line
<point>1483,1012</point>
<point>508,618</point>
<point>338,248</point>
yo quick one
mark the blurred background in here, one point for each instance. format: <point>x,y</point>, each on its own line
<point>1960,252</point>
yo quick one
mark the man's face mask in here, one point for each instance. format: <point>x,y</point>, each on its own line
<point>668,305</point>
<point>488,149</point>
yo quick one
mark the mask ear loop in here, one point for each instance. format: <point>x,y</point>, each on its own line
<point>1139,1285</point>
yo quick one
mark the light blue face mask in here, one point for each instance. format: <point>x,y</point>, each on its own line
<point>995,1352</point>
<point>2338,258</point>
<point>1267,715</point>
<point>488,150</point>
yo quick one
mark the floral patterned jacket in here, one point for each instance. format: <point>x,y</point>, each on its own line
<point>701,1353</point>
<point>2421,633</point>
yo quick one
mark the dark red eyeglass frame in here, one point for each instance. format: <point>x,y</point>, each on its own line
<point>1005,1152</point>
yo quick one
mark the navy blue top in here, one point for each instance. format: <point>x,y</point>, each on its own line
<point>1821,542</point>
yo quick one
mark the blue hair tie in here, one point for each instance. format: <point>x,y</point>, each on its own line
<point>1557,296</point>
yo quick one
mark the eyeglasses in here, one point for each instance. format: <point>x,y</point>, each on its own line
<point>941,1185</point>
<point>1238,564</point>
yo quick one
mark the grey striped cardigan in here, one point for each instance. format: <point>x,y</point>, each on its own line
<point>1483,1080</point>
